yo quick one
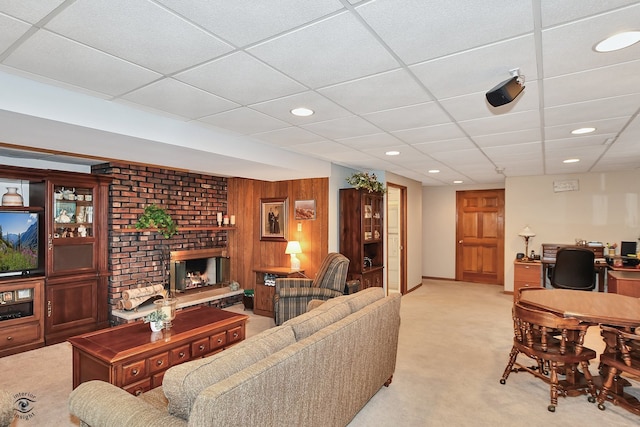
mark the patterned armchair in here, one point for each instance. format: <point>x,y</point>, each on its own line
<point>292,294</point>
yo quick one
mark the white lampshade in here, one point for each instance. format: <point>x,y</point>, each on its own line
<point>526,232</point>
<point>293,248</point>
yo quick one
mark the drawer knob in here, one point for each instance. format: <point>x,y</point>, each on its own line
<point>134,372</point>
<point>159,362</point>
<point>235,335</point>
<point>9,338</point>
<point>138,392</point>
<point>181,354</point>
<point>219,340</point>
<point>201,347</point>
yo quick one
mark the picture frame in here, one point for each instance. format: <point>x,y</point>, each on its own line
<point>23,294</point>
<point>274,221</point>
<point>304,210</point>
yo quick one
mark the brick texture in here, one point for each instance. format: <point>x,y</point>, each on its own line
<point>192,200</point>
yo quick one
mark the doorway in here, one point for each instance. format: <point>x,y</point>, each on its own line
<point>480,236</point>
<point>396,264</point>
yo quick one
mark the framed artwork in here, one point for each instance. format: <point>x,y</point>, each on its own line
<point>273,219</point>
<point>304,209</point>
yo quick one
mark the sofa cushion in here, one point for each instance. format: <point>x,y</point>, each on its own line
<point>312,321</point>
<point>365,297</point>
<point>182,383</point>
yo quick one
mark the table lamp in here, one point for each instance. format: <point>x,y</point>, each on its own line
<point>293,248</point>
<point>526,233</point>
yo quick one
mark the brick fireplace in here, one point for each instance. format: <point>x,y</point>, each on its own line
<point>193,200</point>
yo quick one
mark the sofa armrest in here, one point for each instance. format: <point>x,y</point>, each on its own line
<point>313,293</point>
<point>100,404</point>
<point>292,282</point>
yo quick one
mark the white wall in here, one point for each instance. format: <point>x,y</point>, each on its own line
<point>439,229</point>
<point>605,208</point>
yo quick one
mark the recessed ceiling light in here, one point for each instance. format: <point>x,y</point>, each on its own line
<point>392,153</point>
<point>457,181</point>
<point>302,112</point>
<point>582,131</point>
<point>618,41</point>
<point>434,171</point>
<point>571,161</point>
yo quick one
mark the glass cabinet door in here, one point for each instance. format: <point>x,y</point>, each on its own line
<point>71,236</point>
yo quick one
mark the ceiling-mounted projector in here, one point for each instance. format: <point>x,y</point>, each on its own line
<point>506,91</point>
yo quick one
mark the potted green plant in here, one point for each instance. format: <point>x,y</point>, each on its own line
<point>156,319</point>
<point>156,217</point>
<point>362,180</point>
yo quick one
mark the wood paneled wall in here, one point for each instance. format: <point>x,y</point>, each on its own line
<point>246,249</point>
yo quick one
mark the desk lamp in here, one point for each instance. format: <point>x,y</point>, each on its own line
<point>293,248</point>
<point>526,233</point>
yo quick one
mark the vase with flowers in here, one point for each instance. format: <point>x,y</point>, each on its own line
<point>366,181</point>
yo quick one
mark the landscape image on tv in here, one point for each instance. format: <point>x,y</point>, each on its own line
<point>18,241</point>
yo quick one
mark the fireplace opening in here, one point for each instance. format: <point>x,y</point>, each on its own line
<point>198,269</point>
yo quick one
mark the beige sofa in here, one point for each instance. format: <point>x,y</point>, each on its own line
<point>317,369</point>
<point>7,411</point>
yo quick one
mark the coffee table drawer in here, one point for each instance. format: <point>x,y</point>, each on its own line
<point>235,334</point>
<point>218,340</point>
<point>180,354</point>
<point>134,371</point>
<point>200,348</point>
<point>140,387</point>
<point>158,362</point>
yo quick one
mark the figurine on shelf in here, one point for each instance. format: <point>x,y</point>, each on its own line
<point>63,218</point>
<point>82,231</point>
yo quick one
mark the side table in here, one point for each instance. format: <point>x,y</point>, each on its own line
<point>264,291</point>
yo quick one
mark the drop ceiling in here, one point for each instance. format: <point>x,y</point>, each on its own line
<point>208,85</point>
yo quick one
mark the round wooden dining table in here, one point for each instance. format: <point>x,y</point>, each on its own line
<point>591,307</point>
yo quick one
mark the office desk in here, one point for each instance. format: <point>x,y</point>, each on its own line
<point>625,281</point>
<point>601,271</point>
<point>592,307</point>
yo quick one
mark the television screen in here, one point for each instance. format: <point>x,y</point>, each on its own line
<point>19,243</point>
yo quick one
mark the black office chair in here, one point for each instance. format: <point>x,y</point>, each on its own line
<point>574,269</point>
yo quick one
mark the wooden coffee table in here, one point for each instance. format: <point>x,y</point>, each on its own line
<point>134,358</point>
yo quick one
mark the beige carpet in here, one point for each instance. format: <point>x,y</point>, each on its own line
<point>454,342</point>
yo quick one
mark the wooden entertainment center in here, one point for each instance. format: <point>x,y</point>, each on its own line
<point>66,294</point>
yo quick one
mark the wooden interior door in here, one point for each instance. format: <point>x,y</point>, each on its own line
<point>480,236</point>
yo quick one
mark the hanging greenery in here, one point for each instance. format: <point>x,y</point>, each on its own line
<point>364,181</point>
<point>156,217</point>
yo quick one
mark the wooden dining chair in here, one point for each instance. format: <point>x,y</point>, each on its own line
<point>621,356</point>
<point>556,345</point>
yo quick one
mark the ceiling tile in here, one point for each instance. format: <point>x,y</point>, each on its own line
<point>415,30</point>
<point>288,136</point>
<point>369,141</point>
<point>10,31</point>
<point>556,12</point>
<point>181,99</point>
<point>31,11</point>
<point>567,50</point>
<point>507,138</point>
<point>345,127</point>
<point>244,121</point>
<point>240,78</point>
<point>599,109</point>
<point>512,122</point>
<point>49,55</point>
<point>323,108</point>
<point>410,117</point>
<point>380,92</point>
<point>429,133</point>
<point>243,22</point>
<point>330,51</point>
<point>449,76</point>
<point>115,27</point>
<point>457,144</point>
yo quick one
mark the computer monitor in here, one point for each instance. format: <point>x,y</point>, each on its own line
<point>628,248</point>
